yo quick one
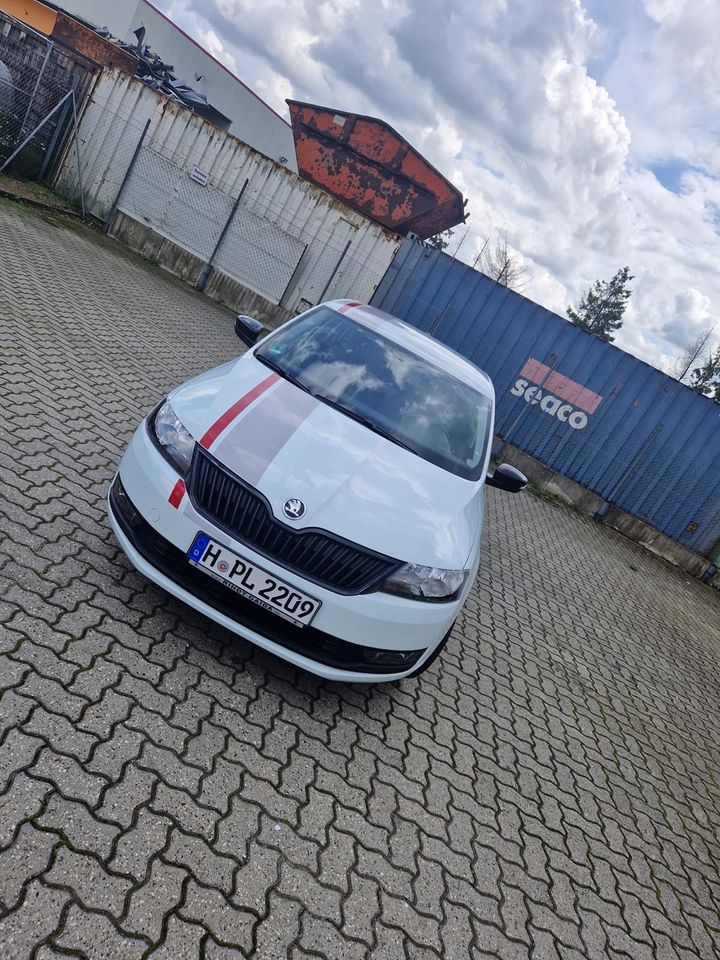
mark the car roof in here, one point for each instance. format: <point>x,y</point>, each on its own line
<point>418,342</point>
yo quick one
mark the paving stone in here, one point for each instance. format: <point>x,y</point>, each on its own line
<point>548,789</point>
<point>73,822</point>
<point>280,927</point>
<point>68,776</point>
<point>256,877</point>
<point>236,829</point>
<point>122,799</point>
<point>136,848</point>
<point>153,901</point>
<point>287,841</point>
<point>181,942</point>
<point>167,765</point>
<point>17,752</point>
<point>361,908</point>
<point>14,711</point>
<point>210,868</point>
<point>321,938</point>
<point>155,727</point>
<point>390,943</point>
<point>318,899</point>
<point>25,859</point>
<point>400,913</point>
<point>36,919</point>
<point>91,884</point>
<point>62,735</point>
<point>190,815</point>
<point>457,932</point>
<point>101,717</point>
<point>227,922</point>
<point>44,661</point>
<point>214,951</point>
<point>97,937</point>
<point>95,681</point>
<point>22,800</point>
<point>110,757</point>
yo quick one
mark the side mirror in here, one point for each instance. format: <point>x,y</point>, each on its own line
<point>507,478</point>
<point>248,329</point>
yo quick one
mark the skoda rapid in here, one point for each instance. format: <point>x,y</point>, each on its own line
<point>322,495</point>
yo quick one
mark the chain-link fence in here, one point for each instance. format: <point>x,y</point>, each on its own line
<point>35,77</point>
<point>255,237</point>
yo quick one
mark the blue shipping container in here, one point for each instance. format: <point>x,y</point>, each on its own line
<point>583,407</point>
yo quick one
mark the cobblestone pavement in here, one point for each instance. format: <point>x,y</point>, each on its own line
<point>550,789</point>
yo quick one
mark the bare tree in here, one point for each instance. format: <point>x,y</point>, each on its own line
<point>500,262</point>
<point>692,352</point>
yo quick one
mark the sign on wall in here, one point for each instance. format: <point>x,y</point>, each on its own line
<point>558,396</point>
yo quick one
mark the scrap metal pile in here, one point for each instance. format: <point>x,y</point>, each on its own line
<point>159,75</point>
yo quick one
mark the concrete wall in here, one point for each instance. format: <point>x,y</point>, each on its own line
<point>252,120</point>
<point>185,265</point>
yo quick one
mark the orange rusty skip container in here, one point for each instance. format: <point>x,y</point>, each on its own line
<point>370,167</point>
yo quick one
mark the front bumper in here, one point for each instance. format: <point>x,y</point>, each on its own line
<point>347,630</point>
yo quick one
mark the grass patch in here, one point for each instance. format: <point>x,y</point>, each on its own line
<point>548,497</point>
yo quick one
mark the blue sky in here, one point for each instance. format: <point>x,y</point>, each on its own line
<point>586,132</point>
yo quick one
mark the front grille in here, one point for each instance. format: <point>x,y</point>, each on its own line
<point>315,554</point>
<point>307,641</point>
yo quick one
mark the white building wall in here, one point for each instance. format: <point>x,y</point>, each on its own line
<point>252,120</point>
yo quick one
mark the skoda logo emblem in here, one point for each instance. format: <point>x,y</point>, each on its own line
<point>294,508</point>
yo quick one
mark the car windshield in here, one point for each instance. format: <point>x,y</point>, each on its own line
<point>390,389</point>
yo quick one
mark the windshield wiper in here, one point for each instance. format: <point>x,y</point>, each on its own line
<point>366,422</point>
<point>283,373</point>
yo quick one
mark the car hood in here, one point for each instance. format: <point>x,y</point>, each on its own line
<point>352,481</point>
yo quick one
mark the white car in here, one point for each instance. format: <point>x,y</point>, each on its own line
<point>322,495</point>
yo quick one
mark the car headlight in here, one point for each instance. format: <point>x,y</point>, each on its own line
<point>425,583</point>
<point>172,439</point>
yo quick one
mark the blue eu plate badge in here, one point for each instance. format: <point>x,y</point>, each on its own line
<point>198,547</point>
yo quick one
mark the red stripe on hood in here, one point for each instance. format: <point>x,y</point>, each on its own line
<point>213,432</point>
<point>252,443</point>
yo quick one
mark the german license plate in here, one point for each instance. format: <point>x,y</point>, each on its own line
<point>251,581</point>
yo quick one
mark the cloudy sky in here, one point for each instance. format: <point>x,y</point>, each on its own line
<point>586,131</point>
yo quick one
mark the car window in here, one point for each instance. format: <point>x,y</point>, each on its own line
<point>371,377</point>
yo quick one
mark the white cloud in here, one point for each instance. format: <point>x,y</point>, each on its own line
<point>551,125</point>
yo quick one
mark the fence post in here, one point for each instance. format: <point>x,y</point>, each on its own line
<point>57,132</point>
<point>77,155</point>
<point>334,271</point>
<point>299,266</point>
<point>111,214</point>
<point>208,268</point>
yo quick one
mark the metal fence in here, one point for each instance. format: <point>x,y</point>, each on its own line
<point>287,245</point>
<point>186,208</point>
<point>35,76</point>
<point>585,408</point>
<point>249,233</point>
